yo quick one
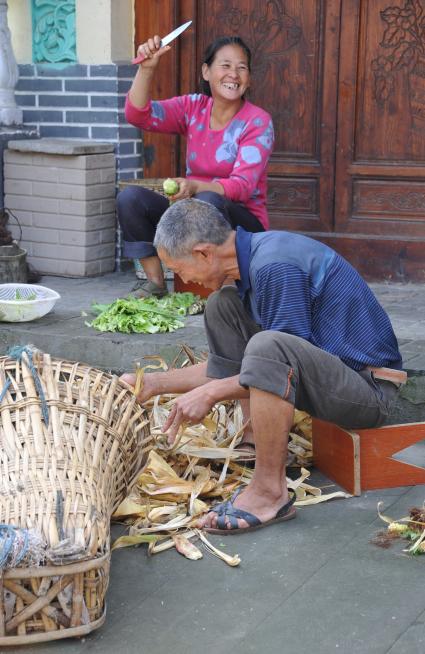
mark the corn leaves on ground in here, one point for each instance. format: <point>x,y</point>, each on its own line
<point>411,528</point>
<point>180,483</point>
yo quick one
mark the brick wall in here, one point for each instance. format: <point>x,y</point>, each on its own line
<point>79,101</point>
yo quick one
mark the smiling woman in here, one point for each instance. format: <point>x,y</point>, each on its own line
<point>229,142</point>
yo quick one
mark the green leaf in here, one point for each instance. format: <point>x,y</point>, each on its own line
<point>147,315</point>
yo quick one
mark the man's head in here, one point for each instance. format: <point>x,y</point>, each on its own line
<point>190,239</point>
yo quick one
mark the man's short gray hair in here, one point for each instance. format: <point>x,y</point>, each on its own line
<point>187,223</point>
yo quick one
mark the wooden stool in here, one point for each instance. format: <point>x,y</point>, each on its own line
<point>361,460</point>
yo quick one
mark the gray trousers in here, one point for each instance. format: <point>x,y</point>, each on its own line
<point>292,368</point>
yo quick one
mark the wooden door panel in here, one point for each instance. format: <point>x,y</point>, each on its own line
<point>161,151</point>
<point>380,180</point>
<point>293,75</point>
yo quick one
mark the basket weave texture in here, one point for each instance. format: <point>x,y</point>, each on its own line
<point>63,479</point>
<point>152,183</point>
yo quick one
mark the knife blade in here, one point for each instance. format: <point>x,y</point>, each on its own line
<point>166,40</point>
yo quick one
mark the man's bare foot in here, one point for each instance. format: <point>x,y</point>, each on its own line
<point>262,503</point>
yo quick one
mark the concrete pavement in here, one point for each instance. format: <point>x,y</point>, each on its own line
<point>314,584</point>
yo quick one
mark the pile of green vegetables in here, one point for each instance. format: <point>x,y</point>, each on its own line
<point>145,316</point>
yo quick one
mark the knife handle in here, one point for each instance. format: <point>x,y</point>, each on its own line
<point>138,59</point>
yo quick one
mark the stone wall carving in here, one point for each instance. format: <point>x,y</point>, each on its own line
<point>54,36</point>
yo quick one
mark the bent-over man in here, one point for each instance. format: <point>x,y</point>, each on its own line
<point>300,329</point>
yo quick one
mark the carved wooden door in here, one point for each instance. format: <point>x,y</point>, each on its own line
<point>345,83</point>
<point>380,158</point>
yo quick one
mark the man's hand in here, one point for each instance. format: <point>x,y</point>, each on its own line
<point>191,407</point>
<point>147,391</point>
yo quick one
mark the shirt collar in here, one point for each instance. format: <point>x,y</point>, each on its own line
<point>243,253</point>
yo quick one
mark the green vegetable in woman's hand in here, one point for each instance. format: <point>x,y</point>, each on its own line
<point>170,186</point>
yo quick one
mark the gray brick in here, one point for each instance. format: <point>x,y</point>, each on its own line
<point>110,133</point>
<point>91,86</point>
<point>23,203</point>
<point>61,70</point>
<point>84,239</point>
<point>17,187</point>
<point>124,85</point>
<point>39,85</point>
<point>25,219</point>
<point>100,192</point>
<point>62,161</point>
<point>127,70</point>
<point>42,116</point>
<point>101,251</point>
<point>55,221</point>
<point>79,192</point>
<point>49,266</point>
<point>130,162</point>
<point>126,148</point>
<point>91,117</point>
<point>59,191</point>
<point>63,101</point>
<point>101,221</point>
<point>107,206</point>
<point>64,131</point>
<point>37,235</point>
<point>83,176</point>
<point>26,70</point>
<point>32,173</point>
<point>80,207</point>
<point>25,100</point>
<point>106,160</point>
<point>129,132</point>
<point>109,70</point>
<point>108,236</point>
<point>107,175</point>
<point>104,101</point>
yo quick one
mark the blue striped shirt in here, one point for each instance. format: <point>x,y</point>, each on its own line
<point>292,283</point>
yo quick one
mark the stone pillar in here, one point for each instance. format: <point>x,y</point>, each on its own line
<point>10,114</point>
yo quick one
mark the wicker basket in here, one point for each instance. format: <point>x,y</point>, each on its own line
<point>63,480</point>
<point>152,183</point>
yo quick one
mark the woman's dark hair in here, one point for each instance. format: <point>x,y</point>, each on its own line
<point>211,52</point>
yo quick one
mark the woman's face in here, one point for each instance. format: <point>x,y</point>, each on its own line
<point>228,74</point>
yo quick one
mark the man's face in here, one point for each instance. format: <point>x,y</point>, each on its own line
<point>201,267</point>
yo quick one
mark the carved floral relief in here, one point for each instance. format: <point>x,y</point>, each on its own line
<point>403,48</point>
<point>54,37</point>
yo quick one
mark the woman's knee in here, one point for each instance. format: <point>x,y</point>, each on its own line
<point>212,198</point>
<point>128,202</point>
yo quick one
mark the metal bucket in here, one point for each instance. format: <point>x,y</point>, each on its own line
<point>13,266</point>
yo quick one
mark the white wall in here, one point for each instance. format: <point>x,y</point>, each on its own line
<point>19,20</point>
<point>105,30</point>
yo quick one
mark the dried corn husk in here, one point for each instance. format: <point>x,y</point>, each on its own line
<point>180,483</point>
<point>411,527</point>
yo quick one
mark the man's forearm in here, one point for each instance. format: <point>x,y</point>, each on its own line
<point>228,388</point>
<point>180,380</point>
